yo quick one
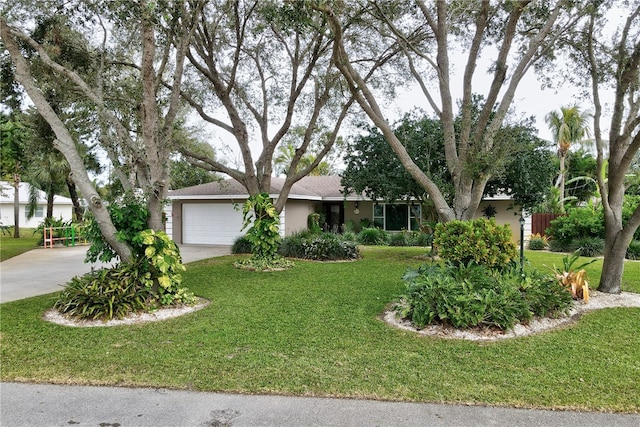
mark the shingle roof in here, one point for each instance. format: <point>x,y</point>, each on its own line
<point>312,187</point>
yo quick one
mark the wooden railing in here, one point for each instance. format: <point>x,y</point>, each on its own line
<point>67,236</point>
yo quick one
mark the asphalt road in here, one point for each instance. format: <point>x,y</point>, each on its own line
<point>49,405</point>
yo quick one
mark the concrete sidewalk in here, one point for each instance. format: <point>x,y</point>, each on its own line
<point>51,405</point>
<point>42,271</point>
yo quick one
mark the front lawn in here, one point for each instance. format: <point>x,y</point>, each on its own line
<point>10,247</point>
<point>314,330</point>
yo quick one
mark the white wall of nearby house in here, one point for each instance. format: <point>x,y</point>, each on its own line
<point>62,206</point>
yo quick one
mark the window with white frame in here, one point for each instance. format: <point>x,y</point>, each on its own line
<point>397,217</point>
<point>37,213</point>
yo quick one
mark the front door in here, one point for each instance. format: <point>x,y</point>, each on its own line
<point>335,216</point>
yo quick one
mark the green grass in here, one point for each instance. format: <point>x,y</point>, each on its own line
<point>544,260</point>
<point>314,330</point>
<point>10,247</point>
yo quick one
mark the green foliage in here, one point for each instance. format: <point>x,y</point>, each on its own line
<point>153,279</point>
<point>315,221</point>
<point>372,236</point>
<point>590,246</point>
<point>320,247</point>
<point>163,261</point>
<point>241,245</point>
<point>106,293</point>
<point>561,245</point>
<point>480,241</point>
<point>538,242</point>
<point>579,222</point>
<point>629,205</point>
<point>129,216</point>
<point>633,251</point>
<point>52,222</point>
<point>293,246</point>
<point>263,234</point>
<point>466,296</point>
<point>330,247</point>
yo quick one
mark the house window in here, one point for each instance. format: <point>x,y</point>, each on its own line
<point>37,213</point>
<point>397,217</point>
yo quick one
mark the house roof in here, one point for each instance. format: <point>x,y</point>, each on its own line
<point>7,193</point>
<point>327,188</point>
<point>307,188</point>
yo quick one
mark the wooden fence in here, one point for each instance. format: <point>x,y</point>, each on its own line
<point>541,221</point>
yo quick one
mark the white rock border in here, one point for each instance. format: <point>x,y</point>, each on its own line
<point>54,316</point>
<point>598,300</point>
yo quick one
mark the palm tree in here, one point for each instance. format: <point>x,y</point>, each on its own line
<point>569,126</point>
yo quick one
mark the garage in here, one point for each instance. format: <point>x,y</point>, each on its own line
<point>210,223</point>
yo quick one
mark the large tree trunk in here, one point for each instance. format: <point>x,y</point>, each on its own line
<point>65,144</point>
<point>613,266</point>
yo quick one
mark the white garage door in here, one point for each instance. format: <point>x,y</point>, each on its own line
<point>210,223</point>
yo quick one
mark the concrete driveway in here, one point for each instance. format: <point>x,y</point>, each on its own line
<point>42,271</point>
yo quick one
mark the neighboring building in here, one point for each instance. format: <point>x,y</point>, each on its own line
<point>211,213</point>
<point>62,206</point>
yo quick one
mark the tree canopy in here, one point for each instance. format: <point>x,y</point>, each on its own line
<point>372,166</point>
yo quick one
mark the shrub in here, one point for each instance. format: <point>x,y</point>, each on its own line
<point>633,251</point>
<point>579,222</point>
<point>107,293</point>
<point>538,242</point>
<point>241,245</point>
<point>372,236</point>
<point>293,246</point>
<point>480,241</point>
<point>399,239</point>
<point>469,296</point>
<point>590,246</point>
<point>129,216</point>
<point>321,247</point>
<point>163,261</point>
<point>419,238</point>
<point>315,221</point>
<point>328,246</point>
<point>561,245</point>
<point>259,213</point>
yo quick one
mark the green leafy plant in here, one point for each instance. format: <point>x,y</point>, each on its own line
<point>590,246</point>
<point>260,214</point>
<point>241,245</point>
<point>633,251</point>
<point>399,239</point>
<point>152,278</point>
<point>128,214</point>
<point>372,236</point>
<point>466,296</point>
<point>561,245</point>
<point>163,261</point>
<point>107,293</point>
<point>321,247</point>
<point>315,221</point>
<point>538,242</point>
<point>579,222</point>
<point>480,241</point>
